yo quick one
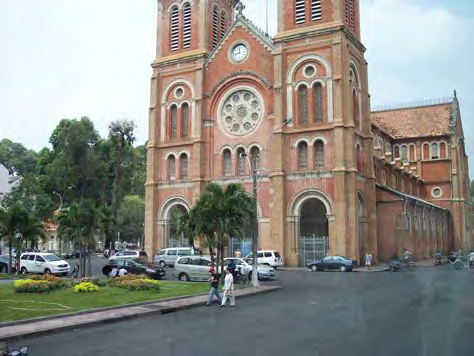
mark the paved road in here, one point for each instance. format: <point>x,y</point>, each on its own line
<point>428,312</point>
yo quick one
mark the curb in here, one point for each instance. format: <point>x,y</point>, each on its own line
<point>154,309</point>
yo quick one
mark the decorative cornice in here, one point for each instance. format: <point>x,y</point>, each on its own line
<point>178,57</point>
<point>238,73</point>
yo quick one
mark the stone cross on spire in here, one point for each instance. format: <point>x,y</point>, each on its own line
<point>240,7</point>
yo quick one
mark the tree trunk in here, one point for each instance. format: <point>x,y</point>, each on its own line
<point>89,265</point>
<point>10,255</point>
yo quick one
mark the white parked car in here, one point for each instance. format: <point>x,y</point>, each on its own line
<point>129,254</point>
<point>246,267</point>
<point>268,257</point>
<point>48,263</point>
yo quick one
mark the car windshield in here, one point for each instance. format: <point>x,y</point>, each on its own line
<point>248,260</point>
<point>51,258</point>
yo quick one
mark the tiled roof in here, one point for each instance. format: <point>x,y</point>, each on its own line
<point>432,120</point>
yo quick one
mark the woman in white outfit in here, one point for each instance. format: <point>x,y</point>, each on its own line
<point>228,289</point>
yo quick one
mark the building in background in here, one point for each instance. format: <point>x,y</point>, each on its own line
<point>334,178</point>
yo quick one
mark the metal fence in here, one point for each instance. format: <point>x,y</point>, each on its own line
<point>244,245</point>
<point>312,248</point>
<point>178,242</point>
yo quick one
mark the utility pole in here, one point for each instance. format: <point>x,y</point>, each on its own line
<point>255,281</point>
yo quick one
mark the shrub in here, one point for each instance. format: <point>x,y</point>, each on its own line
<point>93,280</point>
<point>86,287</point>
<point>32,286</point>
<point>135,284</point>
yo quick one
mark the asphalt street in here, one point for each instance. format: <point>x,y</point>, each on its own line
<point>426,312</point>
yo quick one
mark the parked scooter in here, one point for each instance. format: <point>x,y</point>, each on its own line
<point>438,258</point>
<point>6,351</point>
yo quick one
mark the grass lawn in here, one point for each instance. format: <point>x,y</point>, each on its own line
<point>5,276</point>
<point>69,301</point>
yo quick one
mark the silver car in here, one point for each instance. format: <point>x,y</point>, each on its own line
<point>192,268</point>
<point>245,266</point>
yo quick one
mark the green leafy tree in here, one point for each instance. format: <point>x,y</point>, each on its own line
<point>138,177</point>
<point>17,158</point>
<point>130,217</point>
<point>12,221</point>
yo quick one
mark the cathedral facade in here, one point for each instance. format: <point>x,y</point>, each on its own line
<point>333,177</point>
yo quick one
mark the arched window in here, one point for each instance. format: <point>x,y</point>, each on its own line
<point>318,102</point>
<point>227,163</point>
<point>215,26</point>
<point>241,161</point>
<point>300,11</point>
<point>302,155</point>
<point>434,151</point>
<point>443,152</point>
<point>396,151</point>
<point>412,153</point>
<point>184,166</point>
<point>174,29</point>
<point>404,155</point>
<point>316,13</point>
<point>187,25</point>
<point>172,167</point>
<point>318,154</point>
<point>255,158</point>
<point>184,120</point>
<point>223,24</point>
<point>173,122</point>
<point>303,104</point>
<point>426,151</point>
<point>355,108</point>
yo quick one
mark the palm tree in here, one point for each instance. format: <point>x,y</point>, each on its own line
<point>12,220</point>
<point>219,214</point>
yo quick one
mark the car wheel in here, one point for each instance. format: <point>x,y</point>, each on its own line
<point>314,268</point>
<point>47,271</point>
<point>23,270</point>
<point>183,277</point>
<point>343,268</point>
<point>64,274</point>
<point>162,264</point>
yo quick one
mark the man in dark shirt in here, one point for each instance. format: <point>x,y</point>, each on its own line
<point>214,280</point>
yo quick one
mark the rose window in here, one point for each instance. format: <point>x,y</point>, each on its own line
<point>241,112</point>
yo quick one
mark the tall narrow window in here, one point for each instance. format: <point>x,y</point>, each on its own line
<point>223,24</point>
<point>443,150</point>
<point>184,120</point>
<point>303,104</point>
<point>215,26</point>
<point>316,13</point>
<point>426,151</point>
<point>255,158</point>
<point>172,168</point>
<point>302,155</point>
<point>174,29</point>
<point>187,25</point>
<point>434,151</point>
<point>227,163</point>
<point>174,122</point>
<point>404,150</point>
<point>359,158</point>
<point>412,153</point>
<point>300,11</point>
<point>184,166</point>
<point>349,13</point>
<point>318,102</point>
<point>241,161</point>
<point>319,154</point>
<point>355,108</point>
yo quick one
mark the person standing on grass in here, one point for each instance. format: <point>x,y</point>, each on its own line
<point>368,260</point>
<point>228,289</point>
<point>214,280</point>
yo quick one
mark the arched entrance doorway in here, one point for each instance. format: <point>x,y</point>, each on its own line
<point>175,237</point>
<point>314,231</point>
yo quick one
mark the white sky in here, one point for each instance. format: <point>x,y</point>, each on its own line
<point>70,58</point>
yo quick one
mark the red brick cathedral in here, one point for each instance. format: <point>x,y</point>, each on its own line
<point>333,177</point>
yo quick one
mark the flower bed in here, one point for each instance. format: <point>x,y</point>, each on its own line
<point>94,280</point>
<point>39,284</point>
<point>134,283</point>
<point>86,287</point>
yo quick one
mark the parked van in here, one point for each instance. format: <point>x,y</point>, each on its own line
<point>167,257</point>
<point>46,263</point>
<point>269,257</point>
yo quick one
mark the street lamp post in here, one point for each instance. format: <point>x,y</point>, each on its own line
<point>253,170</point>
<point>60,196</point>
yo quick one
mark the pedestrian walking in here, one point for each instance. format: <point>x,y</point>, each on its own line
<point>214,280</point>
<point>368,260</point>
<point>471,259</point>
<point>228,289</point>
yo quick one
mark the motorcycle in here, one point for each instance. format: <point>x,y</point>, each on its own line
<point>5,350</point>
<point>438,259</point>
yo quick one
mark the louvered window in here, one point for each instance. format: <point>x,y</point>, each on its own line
<point>302,155</point>
<point>319,154</point>
<point>174,38</point>
<point>187,25</point>
<point>172,168</point>
<point>318,102</point>
<point>173,122</point>
<point>184,166</point>
<point>316,13</point>
<point>215,26</point>
<point>184,120</point>
<point>303,104</point>
<point>300,11</point>
<point>227,163</point>
<point>349,13</point>
<point>223,24</point>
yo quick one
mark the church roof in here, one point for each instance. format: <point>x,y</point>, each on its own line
<point>415,121</point>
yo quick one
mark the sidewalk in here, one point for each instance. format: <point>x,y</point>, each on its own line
<point>45,325</point>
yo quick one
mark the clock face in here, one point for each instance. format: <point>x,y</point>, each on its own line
<point>239,52</point>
